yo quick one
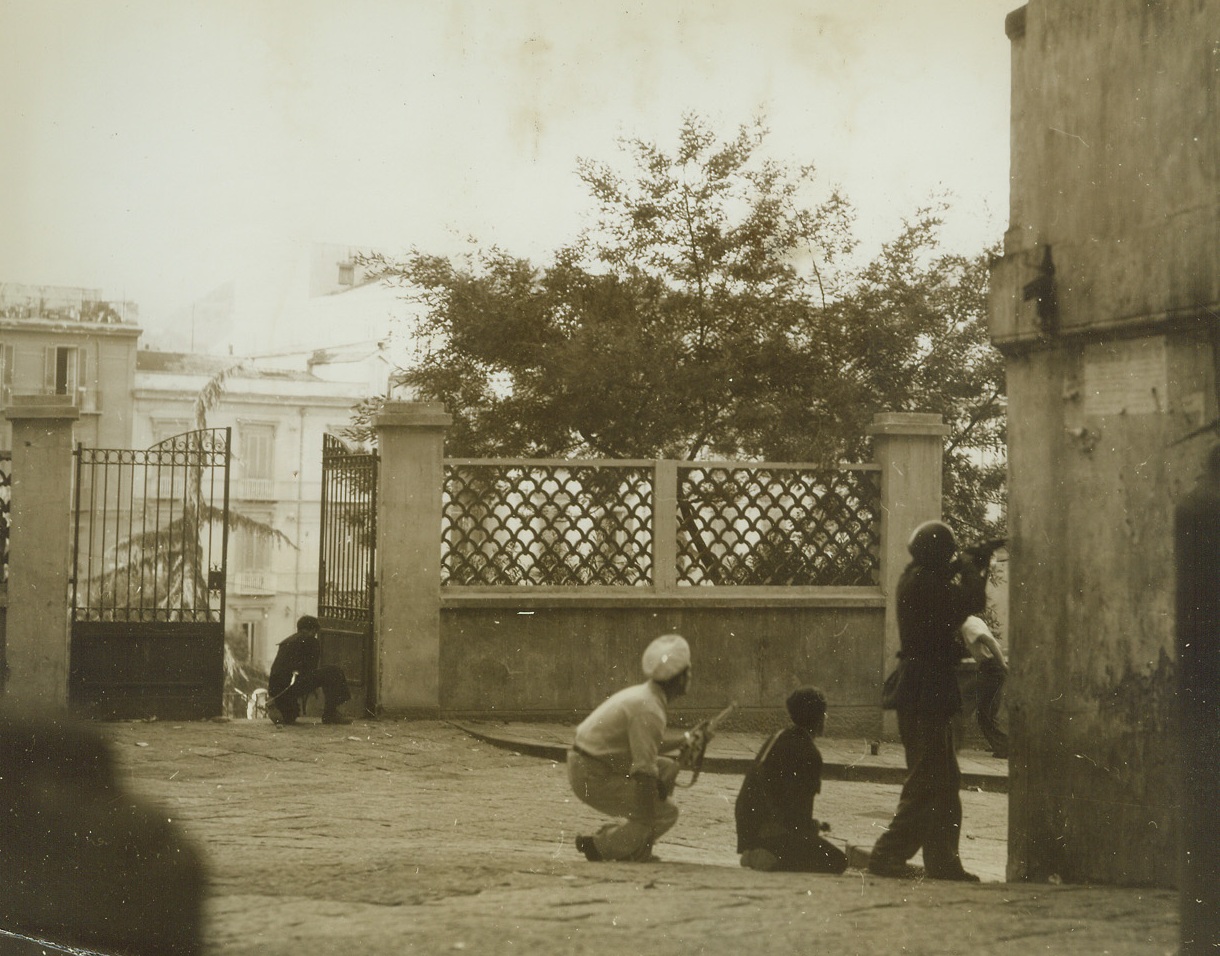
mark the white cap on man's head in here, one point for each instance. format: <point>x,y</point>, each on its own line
<point>666,657</point>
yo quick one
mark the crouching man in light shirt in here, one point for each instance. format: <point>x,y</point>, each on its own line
<point>615,765</point>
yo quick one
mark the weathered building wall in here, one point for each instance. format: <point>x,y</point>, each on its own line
<point>1110,361</point>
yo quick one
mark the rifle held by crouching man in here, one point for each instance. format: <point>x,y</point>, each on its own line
<point>690,757</point>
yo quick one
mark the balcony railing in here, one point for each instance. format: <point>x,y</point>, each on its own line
<point>254,489</point>
<point>252,583</point>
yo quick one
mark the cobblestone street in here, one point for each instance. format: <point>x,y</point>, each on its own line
<point>415,837</point>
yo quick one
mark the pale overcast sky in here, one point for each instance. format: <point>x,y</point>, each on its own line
<point>156,149</point>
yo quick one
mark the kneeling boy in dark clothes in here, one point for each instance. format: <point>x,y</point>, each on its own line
<point>776,829</point>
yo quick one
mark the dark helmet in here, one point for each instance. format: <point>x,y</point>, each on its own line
<point>932,544</point>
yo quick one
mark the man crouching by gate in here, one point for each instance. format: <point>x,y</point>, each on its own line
<point>295,674</point>
<point>614,764</point>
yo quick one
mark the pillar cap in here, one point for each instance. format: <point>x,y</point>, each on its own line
<point>413,415</point>
<point>908,423</point>
<point>41,406</point>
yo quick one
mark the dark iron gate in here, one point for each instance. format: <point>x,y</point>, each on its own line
<point>346,565</point>
<point>148,587</point>
<point>6,487</point>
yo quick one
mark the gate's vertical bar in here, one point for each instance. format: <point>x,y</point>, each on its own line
<point>144,459</point>
<point>175,613</point>
<point>324,530</point>
<point>190,516</point>
<point>335,545</point>
<point>165,604</point>
<point>210,455</point>
<point>370,584</point>
<point>347,551</point>
<point>106,518</point>
<point>339,569</point>
<point>158,471</point>
<point>224,532</point>
<point>79,454</point>
<point>90,475</point>
<point>207,471</point>
<point>190,537</point>
<point>128,467</point>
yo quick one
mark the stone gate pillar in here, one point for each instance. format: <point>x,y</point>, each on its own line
<point>909,447</point>
<point>407,606</point>
<point>40,551</point>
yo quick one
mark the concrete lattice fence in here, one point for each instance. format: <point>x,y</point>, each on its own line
<point>600,524</point>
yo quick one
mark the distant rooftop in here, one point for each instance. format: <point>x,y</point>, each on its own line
<point>193,363</point>
<point>61,303</point>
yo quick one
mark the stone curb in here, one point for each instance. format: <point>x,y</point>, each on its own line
<point>831,769</point>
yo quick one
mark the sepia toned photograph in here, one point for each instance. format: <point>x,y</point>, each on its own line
<point>567,478</point>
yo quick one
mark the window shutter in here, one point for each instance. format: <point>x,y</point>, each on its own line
<point>6,373</point>
<point>48,379</point>
<point>73,371</point>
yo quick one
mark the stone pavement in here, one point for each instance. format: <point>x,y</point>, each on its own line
<point>396,836</point>
<point>731,753</point>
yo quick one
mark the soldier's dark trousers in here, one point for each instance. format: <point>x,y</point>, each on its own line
<point>929,814</point>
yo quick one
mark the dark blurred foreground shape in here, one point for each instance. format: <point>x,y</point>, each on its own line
<point>85,863</point>
<point>1197,531</point>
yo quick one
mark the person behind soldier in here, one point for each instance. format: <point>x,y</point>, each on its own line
<point>935,594</point>
<point>295,674</point>
<point>989,686</point>
<point>615,766</point>
<point>776,829</point>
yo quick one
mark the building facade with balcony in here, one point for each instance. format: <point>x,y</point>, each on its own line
<point>73,343</point>
<point>69,341</point>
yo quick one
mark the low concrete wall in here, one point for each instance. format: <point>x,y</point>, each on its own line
<point>555,657</point>
<point>554,652</point>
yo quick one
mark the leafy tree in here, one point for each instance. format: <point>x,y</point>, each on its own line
<point>911,335</point>
<point>711,309</point>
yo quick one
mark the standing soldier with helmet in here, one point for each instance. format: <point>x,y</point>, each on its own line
<point>938,590</point>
